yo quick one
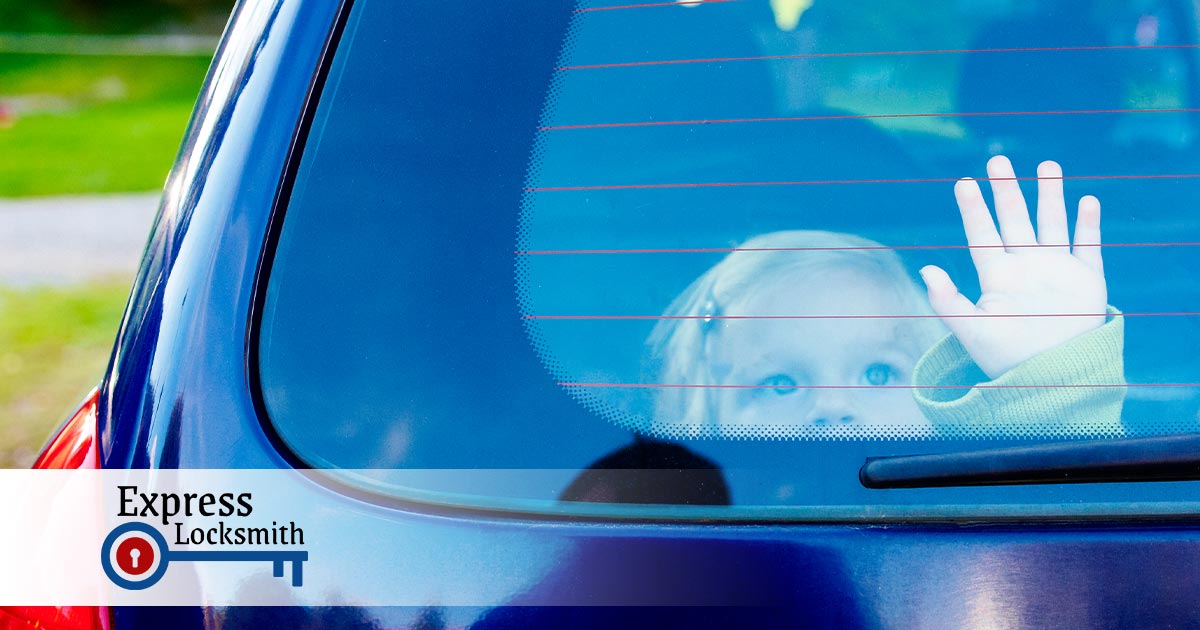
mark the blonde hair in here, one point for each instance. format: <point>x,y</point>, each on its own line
<point>676,345</point>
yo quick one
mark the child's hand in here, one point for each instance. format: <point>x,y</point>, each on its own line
<point>1028,275</point>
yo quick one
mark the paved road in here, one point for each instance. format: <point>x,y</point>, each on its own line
<point>124,45</point>
<point>67,239</point>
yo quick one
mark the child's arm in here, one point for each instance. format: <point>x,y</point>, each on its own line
<point>1022,274</point>
<point>1016,365</point>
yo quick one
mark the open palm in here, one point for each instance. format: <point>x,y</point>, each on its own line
<point>1037,291</point>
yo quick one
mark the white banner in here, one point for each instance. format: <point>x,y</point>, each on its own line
<point>245,537</point>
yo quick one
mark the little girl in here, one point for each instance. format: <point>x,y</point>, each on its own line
<point>806,333</point>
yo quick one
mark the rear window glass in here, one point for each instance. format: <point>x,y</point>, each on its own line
<point>730,237</point>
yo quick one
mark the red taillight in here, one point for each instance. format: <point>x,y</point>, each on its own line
<point>53,618</point>
<point>73,447</point>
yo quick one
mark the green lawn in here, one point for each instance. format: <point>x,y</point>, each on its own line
<point>111,16</point>
<point>93,124</point>
<point>74,124</point>
<point>54,346</point>
<point>83,125</point>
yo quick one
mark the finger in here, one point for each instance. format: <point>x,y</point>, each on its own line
<point>1011,212</point>
<point>982,237</point>
<point>1087,234</point>
<point>945,299</point>
<point>1051,210</point>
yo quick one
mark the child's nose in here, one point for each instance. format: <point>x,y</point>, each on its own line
<point>832,407</point>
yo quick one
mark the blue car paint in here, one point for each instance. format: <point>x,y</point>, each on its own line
<point>178,394</point>
<point>193,292</point>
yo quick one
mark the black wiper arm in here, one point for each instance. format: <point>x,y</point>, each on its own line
<point>1166,458</point>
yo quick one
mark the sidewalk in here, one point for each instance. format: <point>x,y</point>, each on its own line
<point>61,240</point>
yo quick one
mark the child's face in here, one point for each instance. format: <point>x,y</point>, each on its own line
<point>863,353</point>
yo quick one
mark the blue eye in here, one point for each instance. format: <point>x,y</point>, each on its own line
<point>780,384</point>
<point>879,374</point>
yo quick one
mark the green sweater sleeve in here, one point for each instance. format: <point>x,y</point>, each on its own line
<point>1074,390</point>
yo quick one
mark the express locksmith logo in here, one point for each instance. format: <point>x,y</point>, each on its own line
<point>135,554</point>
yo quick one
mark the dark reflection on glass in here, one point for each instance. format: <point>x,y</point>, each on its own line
<point>651,471</point>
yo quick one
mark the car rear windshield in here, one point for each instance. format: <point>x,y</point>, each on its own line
<point>732,240</point>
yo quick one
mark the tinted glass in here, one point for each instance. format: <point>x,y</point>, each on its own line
<point>721,236</point>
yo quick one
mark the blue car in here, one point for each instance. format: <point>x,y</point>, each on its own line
<point>686,314</point>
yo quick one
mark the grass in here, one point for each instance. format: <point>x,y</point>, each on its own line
<point>83,125</point>
<point>110,16</point>
<point>80,125</point>
<point>93,124</point>
<point>54,347</point>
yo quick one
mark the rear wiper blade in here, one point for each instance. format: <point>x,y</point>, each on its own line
<point>1165,458</point>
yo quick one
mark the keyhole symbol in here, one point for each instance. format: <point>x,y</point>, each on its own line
<point>135,556</point>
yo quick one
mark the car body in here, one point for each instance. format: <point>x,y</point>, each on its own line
<point>183,391</point>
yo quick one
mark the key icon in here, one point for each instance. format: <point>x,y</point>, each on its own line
<point>135,556</point>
